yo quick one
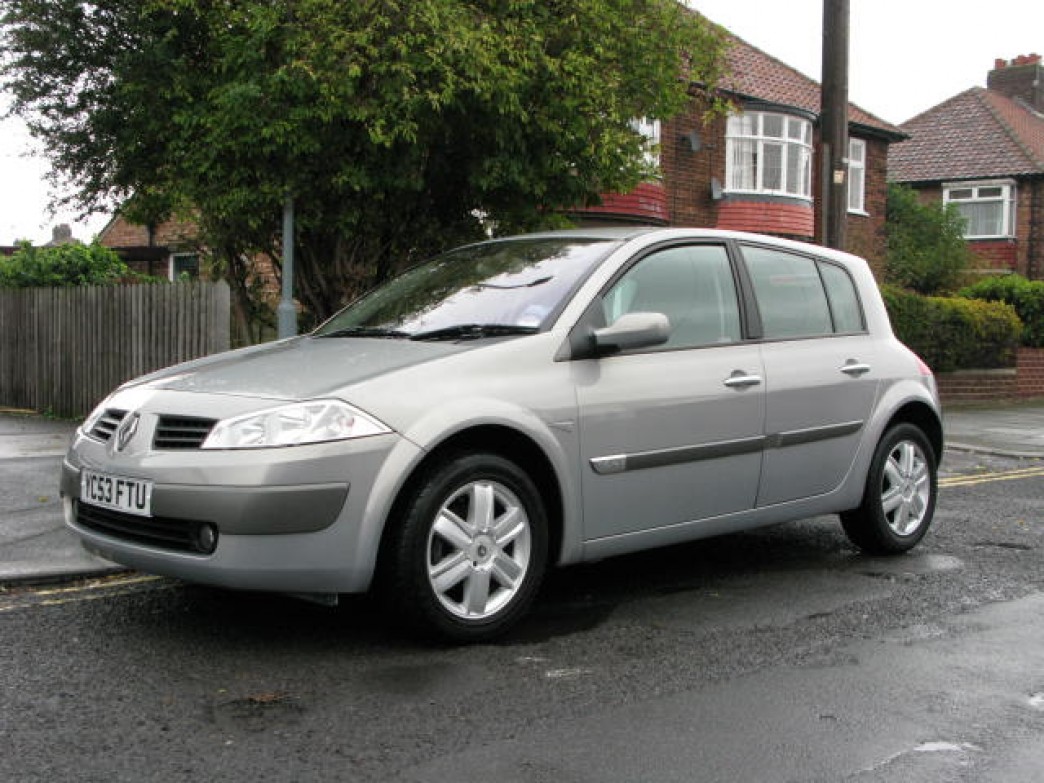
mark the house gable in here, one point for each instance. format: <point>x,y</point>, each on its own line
<point>983,150</point>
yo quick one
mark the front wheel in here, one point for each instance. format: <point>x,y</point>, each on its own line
<point>899,499</point>
<point>467,555</point>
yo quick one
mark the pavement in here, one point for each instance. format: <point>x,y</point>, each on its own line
<point>36,547</point>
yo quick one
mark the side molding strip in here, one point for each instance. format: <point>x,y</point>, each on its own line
<point>623,463</point>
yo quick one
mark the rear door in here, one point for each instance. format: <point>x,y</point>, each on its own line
<point>820,368</point>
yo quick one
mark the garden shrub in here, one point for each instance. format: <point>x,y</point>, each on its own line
<point>926,249</point>
<point>1026,296</point>
<point>954,333</point>
<point>62,265</point>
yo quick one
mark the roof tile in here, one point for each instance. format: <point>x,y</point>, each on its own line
<point>976,134</point>
<point>756,74</point>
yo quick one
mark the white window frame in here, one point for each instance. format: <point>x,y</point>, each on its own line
<point>650,130</point>
<point>1006,197</point>
<point>746,137</point>
<point>857,173</point>
<point>172,263</point>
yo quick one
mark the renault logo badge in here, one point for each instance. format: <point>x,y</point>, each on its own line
<point>127,429</point>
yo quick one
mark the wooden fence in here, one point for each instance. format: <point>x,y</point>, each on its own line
<point>63,349</point>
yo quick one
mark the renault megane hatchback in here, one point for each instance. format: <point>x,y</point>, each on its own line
<point>515,404</point>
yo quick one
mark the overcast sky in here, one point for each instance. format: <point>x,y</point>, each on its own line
<point>905,56</point>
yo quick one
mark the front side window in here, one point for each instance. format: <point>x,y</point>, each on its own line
<point>988,208</point>
<point>769,153</point>
<point>856,175</point>
<point>692,285</point>
<point>800,297</point>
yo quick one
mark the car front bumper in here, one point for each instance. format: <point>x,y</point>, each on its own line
<point>292,519</point>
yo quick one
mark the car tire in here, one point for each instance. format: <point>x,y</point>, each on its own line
<point>899,498</point>
<point>468,550</point>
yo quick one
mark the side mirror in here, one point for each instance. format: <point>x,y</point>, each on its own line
<point>632,330</point>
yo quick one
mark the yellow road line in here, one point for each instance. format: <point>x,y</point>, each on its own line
<point>91,591</point>
<point>985,478</point>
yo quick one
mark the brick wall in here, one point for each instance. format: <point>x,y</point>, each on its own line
<point>1026,379</point>
<point>766,216</point>
<point>995,253</point>
<point>171,233</point>
<point>686,174</point>
<point>977,385</point>
<point>1030,372</point>
<point>1031,226</point>
<point>866,235</point>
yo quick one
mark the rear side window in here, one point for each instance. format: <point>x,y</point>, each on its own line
<point>790,294</point>
<point>802,297</point>
<point>844,302</point>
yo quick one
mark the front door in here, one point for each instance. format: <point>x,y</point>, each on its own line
<point>673,433</point>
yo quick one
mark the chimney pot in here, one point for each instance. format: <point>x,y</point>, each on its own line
<point>999,63</point>
<point>61,234</point>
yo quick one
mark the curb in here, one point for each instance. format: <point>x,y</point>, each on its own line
<point>30,576</point>
<point>992,452</point>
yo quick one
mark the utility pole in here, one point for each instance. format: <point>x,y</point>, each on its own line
<point>286,312</point>
<point>834,125</point>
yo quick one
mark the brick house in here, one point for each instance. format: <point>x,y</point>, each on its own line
<point>169,249</point>
<point>757,169</point>
<point>983,150</point>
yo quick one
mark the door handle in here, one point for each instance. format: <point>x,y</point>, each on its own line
<point>740,380</point>
<point>853,368</point>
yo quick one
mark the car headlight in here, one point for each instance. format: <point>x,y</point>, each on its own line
<point>316,421</point>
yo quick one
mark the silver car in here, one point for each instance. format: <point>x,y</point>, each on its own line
<point>543,399</point>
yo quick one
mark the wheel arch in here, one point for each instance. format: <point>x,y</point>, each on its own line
<point>506,442</point>
<point>924,417</point>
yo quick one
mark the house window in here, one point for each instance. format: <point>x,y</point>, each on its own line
<point>988,208</point>
<point>857,176</point>
<point>769,153</point>
<point>183,265</point>
<point>650,129</point>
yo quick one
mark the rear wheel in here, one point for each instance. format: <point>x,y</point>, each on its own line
<point>899,499</point>
<point>469,551</point>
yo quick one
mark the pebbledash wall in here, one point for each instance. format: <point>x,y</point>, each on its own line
<point>1026,379</point>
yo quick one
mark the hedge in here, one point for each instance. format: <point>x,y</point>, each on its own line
<point>954,333</point>
<point>1027,297</point>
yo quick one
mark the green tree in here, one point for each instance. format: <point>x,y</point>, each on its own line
<point>63,265</point>
<point>399,127</point>
<point>927,251</point>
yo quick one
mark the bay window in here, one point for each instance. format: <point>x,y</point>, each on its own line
<point>769,153</point>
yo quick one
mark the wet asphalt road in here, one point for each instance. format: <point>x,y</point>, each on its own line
<point>778,655</point>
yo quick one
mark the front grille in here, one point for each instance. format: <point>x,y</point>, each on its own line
<point>178,535</point>
<point>107,424</point>
<point>182,432</point>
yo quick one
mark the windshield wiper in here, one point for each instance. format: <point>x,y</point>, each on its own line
<point>366,331</point>
<point>474,332</point>
<point>530,284</point>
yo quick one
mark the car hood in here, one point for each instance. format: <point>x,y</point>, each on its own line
<point>297,369</point>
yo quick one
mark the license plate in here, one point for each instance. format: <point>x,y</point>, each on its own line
<point>130,495</point>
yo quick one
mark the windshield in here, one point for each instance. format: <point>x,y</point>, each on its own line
<point>508,287</point>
